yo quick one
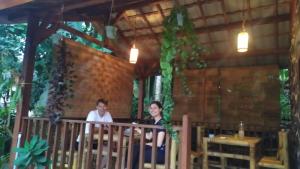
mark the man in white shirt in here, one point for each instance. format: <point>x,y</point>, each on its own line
<point>100,114</point>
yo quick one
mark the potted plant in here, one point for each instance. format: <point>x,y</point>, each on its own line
<point>32,154</point>
<point>111,31</point>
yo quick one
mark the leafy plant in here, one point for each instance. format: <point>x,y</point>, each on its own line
<point>61,83</point>
<point>180,50</point>
<point>4,161</point>
<point>285,104</point>
<point>32,154</point>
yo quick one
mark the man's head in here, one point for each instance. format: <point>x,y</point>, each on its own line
<point>101,106</point>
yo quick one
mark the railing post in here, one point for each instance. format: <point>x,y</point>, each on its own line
<point>185,143</point>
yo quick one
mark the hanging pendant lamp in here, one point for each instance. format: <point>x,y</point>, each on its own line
<point>134,53</point>
<point>243,36</point>
<point>242,41</point>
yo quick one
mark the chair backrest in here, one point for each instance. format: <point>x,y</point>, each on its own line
<point>282,153</point>
<point>174,149</point>
<point>200,134</point>
<point>173,153</point>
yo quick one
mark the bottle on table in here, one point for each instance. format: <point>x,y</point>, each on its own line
<point>241,130</point>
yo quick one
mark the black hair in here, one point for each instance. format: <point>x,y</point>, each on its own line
<point>158,103</point>
<point>102,101</point>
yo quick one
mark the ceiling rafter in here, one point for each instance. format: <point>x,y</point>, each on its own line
<point>92,39</point>
<point>160,11</point>
<point>133,27</point>
<point>197,18</point>
<point>233,25</point>
<point>253,53</point>
<point>226,19</point>
<point>211,16</point>
<point>249,9</point>
<point>200,3</point>
<point>149,25</point>
<point>256,37</point>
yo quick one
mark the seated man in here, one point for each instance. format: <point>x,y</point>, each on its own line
<point>99,114</point>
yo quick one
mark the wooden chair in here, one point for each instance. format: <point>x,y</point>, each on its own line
<point>281,161</point>
<point>199,151</point>
<point>173,155</point>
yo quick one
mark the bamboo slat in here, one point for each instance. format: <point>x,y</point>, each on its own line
<point>71,148</point>
<point>154,149</point>
<point>63,144</point>
<point>100,147</point>
<point>110,146</point>
<point>142,149</point>
<point>130,148</point>
<point>120,147</point>
<point>89,154</point>
<point>81,145</point>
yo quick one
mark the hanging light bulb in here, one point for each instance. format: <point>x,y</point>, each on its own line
<point>242,41</point>
<point>134,53</point>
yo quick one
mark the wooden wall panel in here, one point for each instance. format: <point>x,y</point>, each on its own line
<point>228,95</point>
<point>99,75</point>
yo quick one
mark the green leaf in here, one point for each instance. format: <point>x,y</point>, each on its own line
<point>41,159</point>
<point>20,150</point>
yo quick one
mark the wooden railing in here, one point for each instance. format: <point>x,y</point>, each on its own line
<point>111,142</point>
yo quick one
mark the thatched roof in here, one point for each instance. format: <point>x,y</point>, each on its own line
<point>217,23</point>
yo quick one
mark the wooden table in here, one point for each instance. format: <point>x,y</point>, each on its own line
<point>251,142</point>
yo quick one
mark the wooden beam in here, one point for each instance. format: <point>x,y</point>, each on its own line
<point>253,53</point>
<point>11,3</point>
<point>160,11</point>
<point>141,99</point>
<point>185,142</point>
<point>230,26</point>
<point>205,22</point>
<point>192,4</point>
<point>91,39</point>
<point>26,82</point>
<point>149,25</point>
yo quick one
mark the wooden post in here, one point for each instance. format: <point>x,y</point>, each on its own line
<point>27,74</point>
<point>185,143</point>
<point>141,98</point>
<point>294,140</point>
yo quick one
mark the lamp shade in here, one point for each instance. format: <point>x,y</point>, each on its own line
<point>134,53</point>
<point>242,41</point>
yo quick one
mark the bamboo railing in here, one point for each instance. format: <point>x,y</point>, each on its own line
<point>111,143</point>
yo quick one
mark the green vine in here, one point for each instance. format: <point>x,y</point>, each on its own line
<point>180,50</point>
<point>61,83</point>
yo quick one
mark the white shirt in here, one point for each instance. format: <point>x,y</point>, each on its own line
<point>94,116</point>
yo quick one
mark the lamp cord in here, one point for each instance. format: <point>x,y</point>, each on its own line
<point>111,9</point>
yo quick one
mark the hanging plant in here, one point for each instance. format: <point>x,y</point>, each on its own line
<point>61,83</point>
<point>180,50</point>
<point>110,30</point>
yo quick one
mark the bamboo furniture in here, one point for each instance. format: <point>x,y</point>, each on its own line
<point>199,151</point>
<point>281,161</point>
<point>251,142</point>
